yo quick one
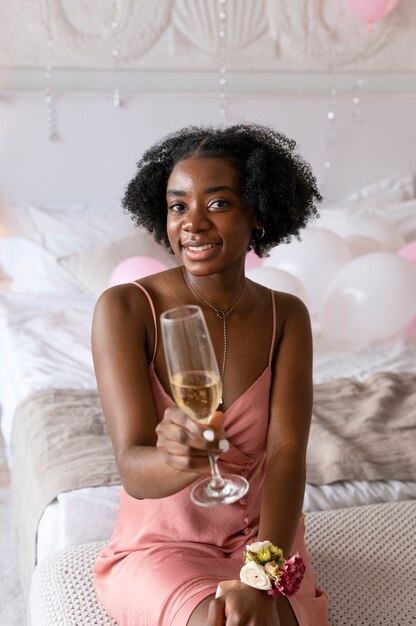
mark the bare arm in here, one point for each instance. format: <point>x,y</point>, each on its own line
<point>290,416</point>
<point>282,497</point>
<point>153,461</point>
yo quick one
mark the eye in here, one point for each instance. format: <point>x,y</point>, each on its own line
<point>177,207</point>
<point>218,204</point>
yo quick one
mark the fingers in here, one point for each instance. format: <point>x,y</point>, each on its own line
<point>184,463</point>
<point>216,613</point>
<point>186,443</point>
<point>217,421</point>
<point>182,432</point>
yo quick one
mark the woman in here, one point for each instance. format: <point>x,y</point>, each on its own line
<point>209,195</point>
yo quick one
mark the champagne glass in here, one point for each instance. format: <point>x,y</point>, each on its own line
<point>196,388</point>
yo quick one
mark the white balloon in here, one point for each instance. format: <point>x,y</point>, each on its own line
<point>372,298</point>
<point>314,261</point>
<point>360,245</point>
<point>279,280</point>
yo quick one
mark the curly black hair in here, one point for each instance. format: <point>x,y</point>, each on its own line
<point>277,183</point>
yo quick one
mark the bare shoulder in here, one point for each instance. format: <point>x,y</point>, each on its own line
<point>128,301</point>
<point>288,306</point>
<point>293,318</point>
<point>122,302</point>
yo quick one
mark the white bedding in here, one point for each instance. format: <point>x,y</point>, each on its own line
<point>90,514</point>
<point>391,355</point>
<point>45,342</point>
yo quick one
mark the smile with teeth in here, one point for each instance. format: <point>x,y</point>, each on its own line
<point>206,246</point>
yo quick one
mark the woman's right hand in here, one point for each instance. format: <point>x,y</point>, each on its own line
<point>185,443</point>
<point>238,604</point>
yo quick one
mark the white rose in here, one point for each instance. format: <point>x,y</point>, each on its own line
<point>259,545</point>
<point>255,576</point>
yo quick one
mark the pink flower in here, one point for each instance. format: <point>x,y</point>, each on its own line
<point>290,576</point>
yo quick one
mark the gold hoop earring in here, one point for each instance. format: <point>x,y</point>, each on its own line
<point>260,232</point>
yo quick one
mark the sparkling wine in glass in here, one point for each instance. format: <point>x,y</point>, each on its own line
<point>196,388</point>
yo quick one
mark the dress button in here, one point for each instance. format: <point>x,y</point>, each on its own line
<point>243,501</point>
<point>245,520</point>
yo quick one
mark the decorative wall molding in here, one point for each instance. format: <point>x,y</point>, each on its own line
<point>325,34</point>
<point>262,35</point>
<point>197,22</point>
<point>84,29</point>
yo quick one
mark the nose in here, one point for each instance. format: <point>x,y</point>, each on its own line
<point>197,220</point>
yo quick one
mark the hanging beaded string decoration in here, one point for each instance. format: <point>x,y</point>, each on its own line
<point>50,96</point>
<point>357,111</point>
<point>332,115</point>
<point>115,25</point>
<point>222,71</point>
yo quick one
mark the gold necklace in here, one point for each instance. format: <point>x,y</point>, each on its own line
<point>220,314</point>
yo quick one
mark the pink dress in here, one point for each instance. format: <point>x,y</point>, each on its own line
<point>166,555</point>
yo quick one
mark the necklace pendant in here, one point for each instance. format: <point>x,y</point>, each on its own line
<point>221,315</point>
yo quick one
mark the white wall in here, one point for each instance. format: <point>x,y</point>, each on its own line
<point>100,145</point>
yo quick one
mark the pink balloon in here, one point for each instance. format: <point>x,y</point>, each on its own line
<point>252,260</point>
<point>411,329</point>
<point>133,268</point>
<point>409,252</point>
<point>372,11</point>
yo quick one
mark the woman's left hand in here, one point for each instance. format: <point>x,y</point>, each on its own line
<point>237,604</point>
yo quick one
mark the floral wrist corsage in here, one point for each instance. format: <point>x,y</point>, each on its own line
<point>266,568</point>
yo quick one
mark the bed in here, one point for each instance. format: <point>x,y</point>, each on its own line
<point>59,256</point>
<point>46,360</point>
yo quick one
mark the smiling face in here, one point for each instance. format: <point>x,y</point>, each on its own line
<point>207,223</point>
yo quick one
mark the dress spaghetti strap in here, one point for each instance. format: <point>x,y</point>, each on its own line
<point>274,327</point>
<point>149,299</point>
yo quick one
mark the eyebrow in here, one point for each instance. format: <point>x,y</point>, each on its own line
<point>180,193</point>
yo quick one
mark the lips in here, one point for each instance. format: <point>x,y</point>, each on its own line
<point>200,250</point>
<point>205,246</point>
<point>198,246</point>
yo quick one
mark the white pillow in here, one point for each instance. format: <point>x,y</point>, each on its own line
<point>70,229</point>
<point>31,268</point>
<point>343,219</point>
<point>402,215</point>
<point>92,270</point>
<point>390,199</point>
<point>398,189</point>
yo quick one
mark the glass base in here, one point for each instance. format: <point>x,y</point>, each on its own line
<point>234,487</point>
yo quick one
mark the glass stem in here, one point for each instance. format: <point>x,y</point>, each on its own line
<point>217,481</point>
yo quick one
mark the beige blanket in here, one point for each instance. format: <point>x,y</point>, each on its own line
<point>60,443</point>
<point>363,431</point>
